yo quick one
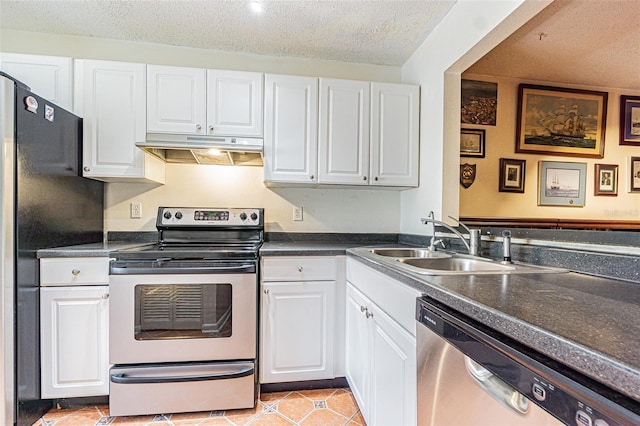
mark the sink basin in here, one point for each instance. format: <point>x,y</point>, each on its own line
<point>457,264</point>
<point>409,253</point>
<point>460,265</point>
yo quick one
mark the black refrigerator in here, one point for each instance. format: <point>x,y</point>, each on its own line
<point>46,203</point>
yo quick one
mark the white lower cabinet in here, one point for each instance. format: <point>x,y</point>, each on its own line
<point>298,338</point>
<point>74,341</point>
<point>74,327</point>
<point>380,352</point>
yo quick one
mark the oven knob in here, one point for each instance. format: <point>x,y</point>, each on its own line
<point>243,216</point>
<point>254,216</point>
<point>178,215</point>
<point>167,215</point>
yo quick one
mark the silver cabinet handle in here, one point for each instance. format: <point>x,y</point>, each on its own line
<point>375,178</point>
<point>105,296</point>
<point>495,387</point>
<point>211,128</point>
<point>368,314</point>
<point>198,127</point>
<point>364,178</point>
<point>311,177</point>
<point>86,169</point>
<point>300,268</point>
<point>266,291</point>
<point>75,272</point>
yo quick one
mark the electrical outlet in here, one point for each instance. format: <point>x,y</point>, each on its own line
<point>136,210</point>
<point>297,212</point>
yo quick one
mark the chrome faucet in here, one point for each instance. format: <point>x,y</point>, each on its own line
<point>434,222</point>
<point>474,238</point>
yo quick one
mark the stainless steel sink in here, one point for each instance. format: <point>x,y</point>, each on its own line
<point>430,262</point>
<point>409,252</point>
<point>463,265</point>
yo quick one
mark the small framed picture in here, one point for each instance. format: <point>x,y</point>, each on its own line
<point>606,180</point>
<point>634,171</point>
<point>561,184</point>
<point>472,143</point>
<point>630,120</point>
<point>512,174</point>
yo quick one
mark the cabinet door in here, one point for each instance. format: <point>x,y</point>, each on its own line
<point>394,134</point>
<point>46,76</point>
<point>297,331</point>
<point>291,129</point>
<point>234,103</point>
<point>343,133</point>
<point>357,349</point>
<point>176,100</point>
<point>112,98</point>
<point>393,372</point>
<point>74,341</point>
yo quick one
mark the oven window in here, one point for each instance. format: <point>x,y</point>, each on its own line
<point>182,311</point>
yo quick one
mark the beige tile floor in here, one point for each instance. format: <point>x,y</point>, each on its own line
<point>318,407</point>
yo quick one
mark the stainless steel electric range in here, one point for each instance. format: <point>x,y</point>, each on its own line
<point>183,314</point>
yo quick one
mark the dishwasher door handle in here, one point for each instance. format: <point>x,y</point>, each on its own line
<point>495,387</point>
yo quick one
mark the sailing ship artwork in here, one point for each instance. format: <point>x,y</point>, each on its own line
<point>556,121</point>
<point>562,183</point>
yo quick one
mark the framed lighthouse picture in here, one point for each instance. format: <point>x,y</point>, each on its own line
<point>559,121</point>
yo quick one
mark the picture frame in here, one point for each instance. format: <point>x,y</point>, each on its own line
<point>472,143</point>
<point>606,179</point>
<point>560,121</point>
<point>512,173</point>
<point>630,120</point>
<point>479,102</point>
<point>634,174</point>
<point>561,183</point>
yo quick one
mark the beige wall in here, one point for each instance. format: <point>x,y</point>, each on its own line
<point>469,31</point>
<point>482,199</point>
<point>325,210</point>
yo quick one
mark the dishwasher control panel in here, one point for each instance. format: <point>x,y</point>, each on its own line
<point>542,381</point>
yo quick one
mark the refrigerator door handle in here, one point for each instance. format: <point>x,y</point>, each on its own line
<point>123,378</point>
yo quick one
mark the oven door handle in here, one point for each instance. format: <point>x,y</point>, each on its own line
<point>141,270</point>
<point>123,378</point>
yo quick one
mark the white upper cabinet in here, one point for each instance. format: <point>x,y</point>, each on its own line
<point>48,76</point>
<point>343,134</point>
<point>394,134</point>
<point>291,129</point>
<point>111,96</point>
<point>176,100</point>
<point>204,102</point>
<point>234,103</point>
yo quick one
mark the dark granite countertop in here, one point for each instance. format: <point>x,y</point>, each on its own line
<point>288,248</point>
<point>87,250</point>
<point>587,323</point>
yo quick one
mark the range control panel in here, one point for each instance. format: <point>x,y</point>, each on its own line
<point>209,217</point>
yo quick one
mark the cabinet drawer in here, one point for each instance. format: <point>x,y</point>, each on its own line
<point>299,268</point>
<point>74,271</point>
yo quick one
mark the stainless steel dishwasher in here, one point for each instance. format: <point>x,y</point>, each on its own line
<point>469,374</point>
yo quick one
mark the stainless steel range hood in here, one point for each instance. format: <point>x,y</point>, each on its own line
<point>191,149</point>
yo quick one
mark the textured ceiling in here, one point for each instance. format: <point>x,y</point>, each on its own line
<point>585,42</point>
<point>365,31</point>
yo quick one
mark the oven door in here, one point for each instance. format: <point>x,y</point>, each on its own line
<point>182,317</point>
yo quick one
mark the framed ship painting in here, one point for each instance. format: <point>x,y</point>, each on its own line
<point>557,121</point>
<point>561,184</point>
